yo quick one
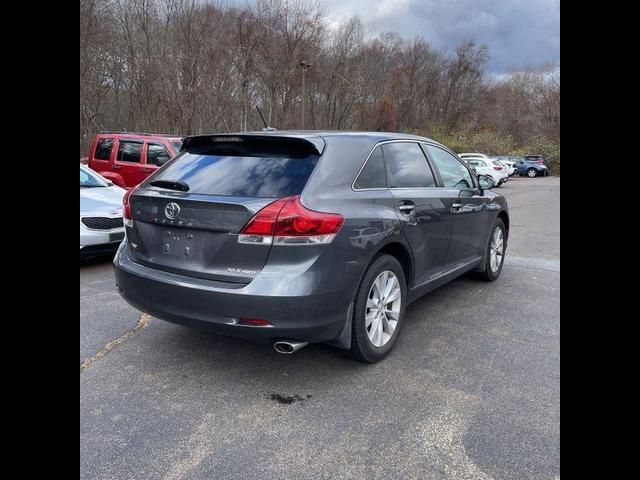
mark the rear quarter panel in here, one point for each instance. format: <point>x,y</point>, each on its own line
<point>371,220</point>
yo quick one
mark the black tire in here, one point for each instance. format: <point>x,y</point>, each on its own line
<point>532,170</point>
<point>489,275</point>
<point>361,347</point>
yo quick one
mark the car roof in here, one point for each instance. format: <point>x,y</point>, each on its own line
<point>381,136</point>
<point>142,135</point>
<point>317,137</point>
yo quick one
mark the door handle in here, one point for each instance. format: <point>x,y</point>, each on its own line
<point>407,208</point>
<point>116,167</point>
<point>147,170</point>
<point>456,207</point>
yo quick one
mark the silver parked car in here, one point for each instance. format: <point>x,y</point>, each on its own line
<point>101,227</point>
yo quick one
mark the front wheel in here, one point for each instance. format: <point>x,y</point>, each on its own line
<point>532,172</point>
<point>379,310</point>
<point>494,256</point>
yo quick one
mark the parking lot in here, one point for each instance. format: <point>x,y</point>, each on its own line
<point>471,390</point>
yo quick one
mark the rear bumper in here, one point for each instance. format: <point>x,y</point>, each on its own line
<point>296,306</point>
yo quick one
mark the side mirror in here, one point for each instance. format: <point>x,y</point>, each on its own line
<point>486,182</point>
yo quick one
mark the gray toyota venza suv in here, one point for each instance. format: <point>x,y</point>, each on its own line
<point>298,237</point>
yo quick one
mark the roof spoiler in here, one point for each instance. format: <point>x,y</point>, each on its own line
<point>271,142</point>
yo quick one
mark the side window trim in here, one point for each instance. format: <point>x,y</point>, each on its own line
<point>434,171</point>
<point>432,165</point>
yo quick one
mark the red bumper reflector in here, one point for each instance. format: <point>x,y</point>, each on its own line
<point>255,322</point>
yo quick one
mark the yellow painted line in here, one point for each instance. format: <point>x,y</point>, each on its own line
<point>142,323</point>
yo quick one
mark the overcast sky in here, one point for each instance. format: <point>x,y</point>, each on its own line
<point>517,32</point>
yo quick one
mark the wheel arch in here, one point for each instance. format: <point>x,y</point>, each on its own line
<point>504,216</point>
<point>401,253</point>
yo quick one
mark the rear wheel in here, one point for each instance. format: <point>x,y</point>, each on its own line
<point>379,310</point>
<point>532,172</point>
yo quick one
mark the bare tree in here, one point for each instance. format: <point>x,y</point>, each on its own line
<point>196,66</point>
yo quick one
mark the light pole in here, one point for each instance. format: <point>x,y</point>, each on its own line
<point>304,66</point>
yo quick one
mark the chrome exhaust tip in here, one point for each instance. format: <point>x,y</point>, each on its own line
<point>287,347</point>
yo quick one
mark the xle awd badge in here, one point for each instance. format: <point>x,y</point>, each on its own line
<point>172,210</point>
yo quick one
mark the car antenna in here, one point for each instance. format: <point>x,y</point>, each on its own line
<point>266,128</point>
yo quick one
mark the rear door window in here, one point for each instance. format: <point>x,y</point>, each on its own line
<point>129,151</point>
<point>157,154</point>
<point>408,167</point>
<point>103,149</point>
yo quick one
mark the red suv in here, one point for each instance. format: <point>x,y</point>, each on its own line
<point>127,159</point>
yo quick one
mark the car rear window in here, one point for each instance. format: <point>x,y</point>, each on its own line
<point>266,176</point>
<point>103,149</point>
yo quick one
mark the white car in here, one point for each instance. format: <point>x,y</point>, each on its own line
<point>485,166</point>
<point>101,225</point>
<point>466,156</point>
<point>507,160</point>
<point>509,166</point>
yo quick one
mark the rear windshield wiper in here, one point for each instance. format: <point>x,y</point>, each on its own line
<point>171,185</point>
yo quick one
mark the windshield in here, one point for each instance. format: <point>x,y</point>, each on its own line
<point>88,179</point>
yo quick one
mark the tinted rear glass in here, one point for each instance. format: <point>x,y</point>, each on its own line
<point>373,174</point>
<point>129,151</point>
<point>267,176</point>
<point>103,149</point>
<point>408,166</point>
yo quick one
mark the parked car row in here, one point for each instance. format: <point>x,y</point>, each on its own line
<point>530,165</point>
<point>101,224</point>
<point>488,167</point>
<point>117,162</point>
<point>127,159</point>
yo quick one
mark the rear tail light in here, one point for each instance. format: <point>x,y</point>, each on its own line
<point>126,208</point>
<point>497,168</point>
<point>287,222</point>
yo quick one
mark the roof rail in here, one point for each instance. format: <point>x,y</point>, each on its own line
<point>125,132</point>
